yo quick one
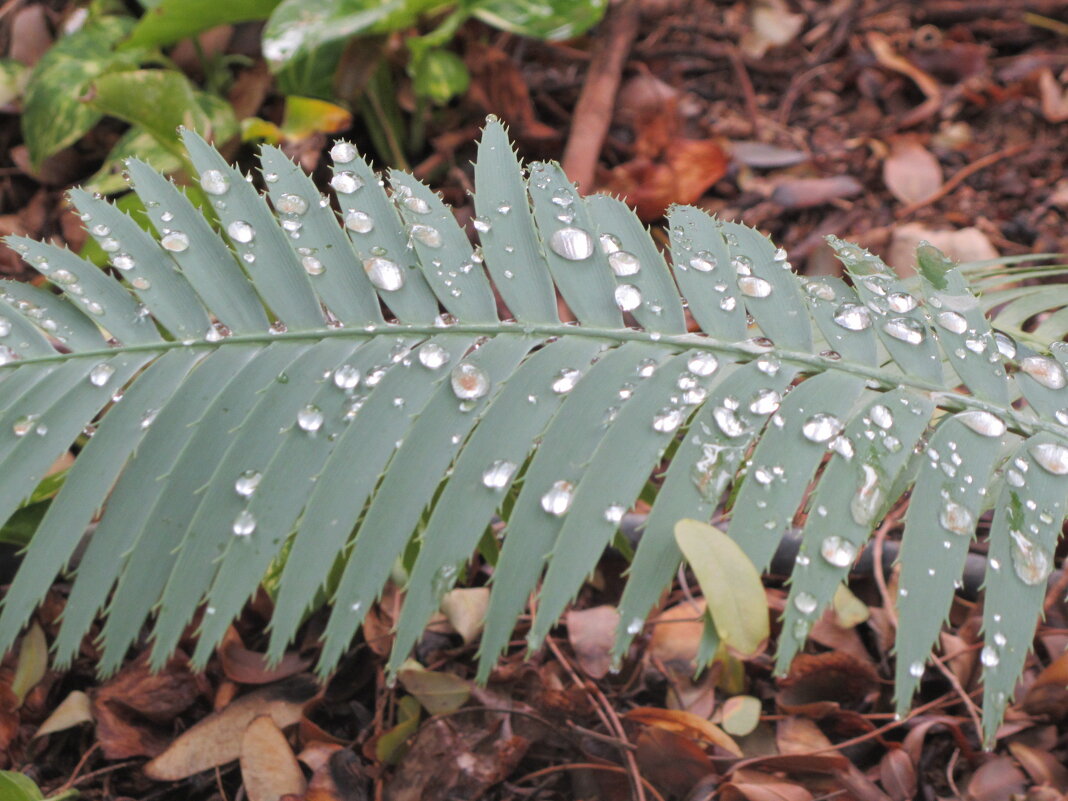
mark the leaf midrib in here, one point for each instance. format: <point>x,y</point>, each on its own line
<point>944,396</point>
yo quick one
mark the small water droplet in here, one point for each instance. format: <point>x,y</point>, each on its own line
<point>628,297</point>
<point>432,356</point>
<point>765,401</point>
<point>916,670</point>
<point>342,152</point>
<point>623,263</point>
<point>702,364</point>
<point>853,317</point>
<point>821,427</point>
<point>573,244</point>
<point>174,241</point>
<point>1006,345</point>
<point>952,321</point>
<point>956,519</point>
<point>214,182</point>
<point>241,231</point>
<point>868,500</point>
<point>359,221</point>
<point>989,657</point>
<point>427,234</point>
<point>346,377</point>
<point>565,380</point>
<point>729,422</point>
<point>498,474</point>
<point>558,499</point>
<point>905,329</point>
<point>312,265</point>
<point>416,204</point>
<point>469,382</point>
<point>247,482</point>
<point>881,416</point>
<point>900,302</point>
<point>754,287</point>
<point>244,524</point>
<point>805,603</point>
<point>614,515</point>
<point>668,419</point>
<point>289,203</point>
<point>837,551</point>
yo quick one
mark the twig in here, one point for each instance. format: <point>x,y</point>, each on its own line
<point>585,766</point>
<point>77,768</point>
<point>748,93</point>
<point>593,112</point>
<point>961,175</point>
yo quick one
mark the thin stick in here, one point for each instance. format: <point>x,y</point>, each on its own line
<point>961,175</point>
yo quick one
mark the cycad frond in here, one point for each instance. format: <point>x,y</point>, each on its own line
<point>383,394</point>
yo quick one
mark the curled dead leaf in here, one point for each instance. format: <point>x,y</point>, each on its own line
<point>680,722</point>
<point>269,769</point>
<point>592,633</point>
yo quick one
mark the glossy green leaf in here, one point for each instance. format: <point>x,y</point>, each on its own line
<point>169,21</point>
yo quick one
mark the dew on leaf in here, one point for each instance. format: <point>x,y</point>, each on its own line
<point>1006,345</point>
<point>558,499</point>
<point>983,422</point>
<point>614,514</point>
<point>952,321</point>
<point>101,374</point>
<point>989,657</point>
<point>384,274</point>
<point>310,418</point>
<point>703,262</point>
<point>346,182</point>
<point>765,401</point>
<point>623,263</point>
<point>244,524</point>
<point>498,474</point>
<point>869,497</point>
<point>247,482</point>
<point>916,670</point>
<point>359,221</point>
<point>432,356</point>
<point>174,241</point>
<point>1052,457</point>
<point>837,551</point>
<point>1045,370</point>
<point>427,234</point>
<point>900,302</point>
<point>853,317</point>
<point>956,519</point>
<point>469,382</point>
<point>346,377</point>
<point>805,603</point>
<point>573,244</point>
<point>754,287</point>
<point>565,380</point>
<point>312,265</point>
<point>821,427</point>
<point>668,419</point>
<point>702,364</point>
<point>905,329</point>
<point>881,416</point>
<point>214,182</point>
<point>628,297</point>
<point>729,422</point>
<point>342,152</point>
<point>289,203</point>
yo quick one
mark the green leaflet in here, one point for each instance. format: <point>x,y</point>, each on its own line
<point>335,399</point>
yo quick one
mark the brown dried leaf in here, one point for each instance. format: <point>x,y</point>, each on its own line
<point>771,790</point>
<point>680,722</point>
<point>898,775</point>
<point>73,710</point>
<point>465,609</point>
<point>1041,766</point>
<point>250,667</point>
<point>822,683</point>
<point>216,739</point>
<point>1054,97</point>
<point>670,761</point>
<point>269,770</point>
<point>797,735</point>
<point>341,778</point>
<point>592,632</point>
<point>806,193</point>
<point>996,780</point>
<point>911,172</point>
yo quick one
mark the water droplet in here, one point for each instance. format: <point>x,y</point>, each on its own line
<point>342,152</point>
<point>101,374</point>
<point>214,182</point>
<point>1045,370</point>
<point>416,204</point>
<point>805,603</point>
<point>310,418</point>
<point>558,499</point>
<point>916,670</point>
<point>853,317</point>
<point>174,241</point>
<point>289,203</point>
<point>247,482</point>
<point>244,524</point>
<point>905,329</point>
<point>469,382</point>
<point>999,639</point>
<point>702,364</point>
<point>984,423</point>
<point>868,500</point>
<point>148,418</point>
<point>346,377</point>
<point>900,302</point>
<point>241,231</point>
<point>614,514</point>
<point>1006,345</point>
<point>881,416</point>
<point>427,234</point>
<point>818,289</point>
<point>953,321</point>
<point>769,364</point>
<point>24,425</point>
<point>432,356</point>
<point>384,274</point>
<point>729,422</point>
<point>312,266</point>
<point>837,551</point>
<point>956,519</point>
<point>573,244</point>
<point>623,263</point>
<point>754,287</point>
<point>346,182</point>
<point>989,657</point>
<point>1051,456</point>
<point>498,474</point>
<point>628,297</point>
<point>635,626</point>
<point>821,427</point>
<point>359,221</point>
<point>668,419</point>
<point>565,380</point>
<point>765,401</point>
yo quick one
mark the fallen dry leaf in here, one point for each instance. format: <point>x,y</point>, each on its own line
<point>997,780</point>
<point>966,244</point>
<point>250,667</point>
<point>438,692</point>
<point>681,175</point>
<point>670,761</point>
<point>341,778</point>
<point>798,735</point>
<point>73,710</point>
<point>897,774</point>
<point>1042,766</point>
<point>1054,97</point>
<point>680,722</point>
<point>740,715</point>
<point>772,25</point>
<point>216,739</point>
<point>269,770</point>
<point>911,172</point>
<point>465,609</point>
<point>592,633</point>
<point>806,193</point>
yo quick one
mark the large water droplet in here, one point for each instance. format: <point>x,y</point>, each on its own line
<point>214,182</point>
<point>573,244</point>
<point>982,422</point>
<point>241,231</point>
<point>1031,562</point>
<point>244,524</point>
<point>346,377</point>
<point>416,204</point>
<point>702,364</point>
<point>868,499</point>
<point>956,519</point>
<point>427,234</point>
<point>432,356</point>
<point>359,221</point>
<point>101,374</point>
<point>346,182</point>
<point>498,474</point>
<point>312,265</point>
<point>122,261</point>
<point>310,418</point>
<point>558,499</point>
<point>1052,457</point>
<point>853,317</point>
<point>668,419</point>
<point>729,422</point>
<point>1045,370</point>
<point>821,427</point>
<point>837,551</point>
<point>1006,345</point>
<point>952,321</point>
<point>881,416</point>
<point>623,263</point>
<point>989,657</point>
<point>289,203</point>
<point>628,297</point>
<point>905,329</point>
<point>754,287</point>
<point>916,670</point>
<point>247,482</point>
<point>469,382</point>
<point>765,401</point>
<point>174,241</point>
<point>805,603</point>
<point>384,274</point>
<point>900,302</point>
<point>342,152</point>
<point>565,380</point>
